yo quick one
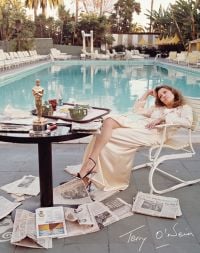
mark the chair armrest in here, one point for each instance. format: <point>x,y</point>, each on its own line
<point>171,125</point>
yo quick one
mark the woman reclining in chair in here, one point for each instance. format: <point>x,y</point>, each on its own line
<point>109,156</point>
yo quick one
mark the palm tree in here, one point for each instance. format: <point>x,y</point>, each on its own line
<point>150,27</point>
<point>184,14</point>
<point>34,4</point>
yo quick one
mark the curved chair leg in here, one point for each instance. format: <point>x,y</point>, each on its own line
<point>154,168</point>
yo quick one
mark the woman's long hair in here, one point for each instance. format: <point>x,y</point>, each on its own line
<point>178,97</point>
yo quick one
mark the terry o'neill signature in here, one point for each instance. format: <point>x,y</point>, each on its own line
<point>171,232</point>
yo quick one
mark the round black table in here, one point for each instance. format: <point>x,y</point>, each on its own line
<point>44,156</point>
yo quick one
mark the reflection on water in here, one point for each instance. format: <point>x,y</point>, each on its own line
<point>112,86</point>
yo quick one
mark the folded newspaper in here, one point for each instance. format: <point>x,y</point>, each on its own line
<point>92,217</point>
<point>95,193</point>
<point>50,222</point>
<point>24,231</point>
<point>28,185</point>
<point>14,128</point>
<point>73,169</point>
<point>73,192</point>
<point>159,206</point>
<point>6,206</point>
<point>92,127</point>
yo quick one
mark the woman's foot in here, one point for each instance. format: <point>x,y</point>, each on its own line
<point>87,168</point>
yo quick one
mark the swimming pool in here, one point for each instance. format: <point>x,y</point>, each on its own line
<point>114,85</point>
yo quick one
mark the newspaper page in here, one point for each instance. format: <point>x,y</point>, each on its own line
<point>81,214</point>
<point>6,206</point>
<point>74,228</point>
<point>119,207</point>
<point>91,127</point>
<point>71,193</point>
<point>28,185</point>
<point>73,169</point>
<point>50,222</point>
<point>24,231</point>
<point>6,228</point>
<point>14,128</point>
<point>154,205</point>
<point>76,224</point>
<point>99,195</point>
<point>102,214</point>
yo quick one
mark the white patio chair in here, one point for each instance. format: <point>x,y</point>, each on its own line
<point>181,57</point>
<point>130,56</point>
<point>98,56</point>
<point>172,56</point>
<point>175,145</point>
<point>57,55</point>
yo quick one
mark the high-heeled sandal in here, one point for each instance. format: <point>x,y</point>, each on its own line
<point>90,171</point>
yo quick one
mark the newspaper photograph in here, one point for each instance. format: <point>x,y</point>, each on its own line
<point>160,206</point>
<point>28,185</point>
<point>102,214</point>
<point>81,214</point>
<point>71,193</point>
<point>6,228</point>
<point>80,224</point>
<point>119,207</point>
<point>50,222</point>
<point>74,228</point>
<point>24,231</point>
<point>6,206</point>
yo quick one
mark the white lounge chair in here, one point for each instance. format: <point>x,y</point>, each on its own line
<point>96,55</point>
<point>179,149</point>
<point>172,56</point>
<point>57,55</point>
<point>130,56</point>
<point>192,59</point>
<point>137,52</point>
<point>112,55</point>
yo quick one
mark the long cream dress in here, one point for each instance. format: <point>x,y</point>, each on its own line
<point>116,158</point>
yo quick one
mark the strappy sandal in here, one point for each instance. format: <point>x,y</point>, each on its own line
<point>90,171</point>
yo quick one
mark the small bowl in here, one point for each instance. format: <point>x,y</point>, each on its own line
<point>77,113</point>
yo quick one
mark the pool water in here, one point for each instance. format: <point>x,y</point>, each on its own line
<point>115,86</point>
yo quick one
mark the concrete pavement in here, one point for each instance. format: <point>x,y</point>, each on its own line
<point>135,234</point>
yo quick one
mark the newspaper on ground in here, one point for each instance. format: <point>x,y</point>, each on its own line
<point>119,207</point>
<point>92,217</point>
<point>20,198</point>
<point>81,214</point>
<point>72,192</point>
<point>6,228</point>
<point>6,206</point>
<point>50,222</point>
<point>99,195</point>
<point>80,221</point>
<point>27,185</point>
<point>24,231</point>
<point>102,214</point>
<point>73,169</point>
<point>80,227</point>
<point>160,206</point>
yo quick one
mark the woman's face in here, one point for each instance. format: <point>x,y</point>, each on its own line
<point>166,97</point>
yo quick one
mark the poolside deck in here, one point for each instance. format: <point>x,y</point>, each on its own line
<point>149,234</point>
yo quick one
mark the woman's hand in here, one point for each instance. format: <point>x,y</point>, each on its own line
<point>154,123</point>
<point>150,92</point>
